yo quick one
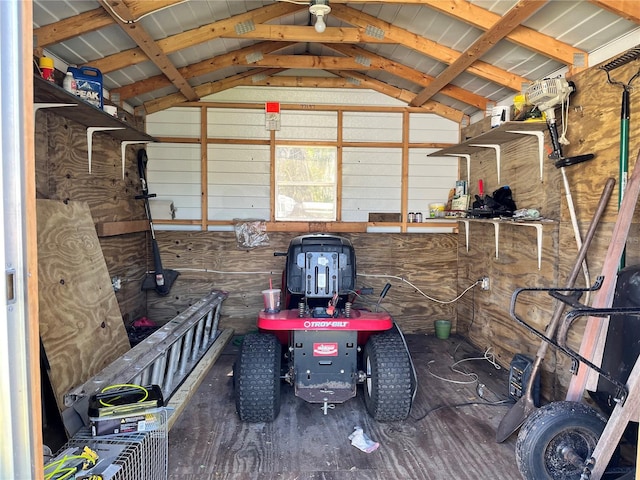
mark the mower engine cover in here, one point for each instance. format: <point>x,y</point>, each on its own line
<point>319,265</point>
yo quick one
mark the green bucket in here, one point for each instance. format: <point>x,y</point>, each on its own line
<point>443,329</point>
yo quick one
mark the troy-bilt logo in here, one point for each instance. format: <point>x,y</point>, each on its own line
<point>325,349</point>
<point>325,324</point>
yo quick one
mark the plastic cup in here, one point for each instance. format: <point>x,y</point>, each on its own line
<point>443,329</point>
<point>271,300</point>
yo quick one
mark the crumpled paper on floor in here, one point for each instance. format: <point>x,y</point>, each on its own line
<point>360,440</point>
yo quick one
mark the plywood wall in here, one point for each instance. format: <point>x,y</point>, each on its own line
<point>593,126</point>
<point>427,260</point>
<point>62,174</point>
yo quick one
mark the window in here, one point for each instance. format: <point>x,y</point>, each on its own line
<point>305,182</point>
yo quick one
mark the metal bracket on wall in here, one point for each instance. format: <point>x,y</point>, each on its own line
<point>468,157</point>
<point>540,136</point>
<point>90,132</point>
<point>38,106</point>
<point>498,156</point>
<point>496,227</point>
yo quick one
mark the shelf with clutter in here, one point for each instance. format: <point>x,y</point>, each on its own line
<point>47,94</point>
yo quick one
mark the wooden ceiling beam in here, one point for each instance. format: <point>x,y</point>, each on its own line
<point>123,17</point>
<point>481,18</point>
<point>203,90</point>
<point>195,36</point>
<point>510,20</point>
<point>92,20</point>
<point>362,81</point>
<point>629,9</point>
<point>425,46</point>
<point>265,77</point>
<point>412,75</point>
<point>200,68</point>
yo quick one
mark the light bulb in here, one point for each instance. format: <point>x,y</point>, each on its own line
<point>320,25</point>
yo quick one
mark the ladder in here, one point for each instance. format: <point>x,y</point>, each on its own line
<point>165,358</point>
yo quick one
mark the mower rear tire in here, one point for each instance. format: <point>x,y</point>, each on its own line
<point>388,389</point>
<point>256,378</point>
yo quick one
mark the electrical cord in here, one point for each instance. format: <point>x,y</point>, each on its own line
<point>121,386</point>
<point>404,280</point>
<point>115,14</point>
<point>488,356</point>
<point>465,404</point>
<point>67,466</point>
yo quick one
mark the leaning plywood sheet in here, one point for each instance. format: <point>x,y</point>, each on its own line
<point>80,322</point>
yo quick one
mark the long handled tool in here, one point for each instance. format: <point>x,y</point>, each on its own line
<point>516,416</point>
<point>160,280</point>
<point>593,339</point>
<point>625,116</point>
<point>546,95</point>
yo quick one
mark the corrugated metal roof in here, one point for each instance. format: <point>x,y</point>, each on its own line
<point>423,38</point>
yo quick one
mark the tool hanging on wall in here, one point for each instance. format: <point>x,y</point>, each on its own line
<point>160,280</point>
<point>546,95</point>
<point>625,116</point>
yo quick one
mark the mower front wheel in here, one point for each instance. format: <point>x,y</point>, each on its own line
<point>256,378</point>
<point>388,391</point>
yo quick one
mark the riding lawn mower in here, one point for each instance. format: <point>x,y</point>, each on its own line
<point>321,344</point>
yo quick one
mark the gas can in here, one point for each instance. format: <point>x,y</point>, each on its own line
<point>88,84</point>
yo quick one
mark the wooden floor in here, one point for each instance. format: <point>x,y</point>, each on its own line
<point>439,441</point>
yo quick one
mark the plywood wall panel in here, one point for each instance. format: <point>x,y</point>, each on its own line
<point>62,174</point>
<point>593,127</point>
<point>80,322</point>
<point>427,260</point>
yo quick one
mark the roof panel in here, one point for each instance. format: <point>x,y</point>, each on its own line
<point>580,24</point>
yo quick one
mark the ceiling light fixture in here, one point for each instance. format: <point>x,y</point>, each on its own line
<point>320,8</point>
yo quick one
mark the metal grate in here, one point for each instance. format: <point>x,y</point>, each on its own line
<point>136,456</point>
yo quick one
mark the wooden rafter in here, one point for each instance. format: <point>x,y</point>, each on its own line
<point>205,89</point>
<point>517,14</point>
<point>92,20</point>
<point>411,74</point>
<point>194,37</point>
<point>201,68</point>
<point>629,9</point>
<point>431,107</point>
<point>123,17</point>
<point>425,46</point>
<point>484,19</point>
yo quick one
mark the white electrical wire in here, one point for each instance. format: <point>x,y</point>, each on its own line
<point>115,14</point>
<point>206,270</point>
<point>488,356</point>
<point>443,302</point>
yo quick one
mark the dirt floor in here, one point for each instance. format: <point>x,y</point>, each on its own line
<point>450,433</point>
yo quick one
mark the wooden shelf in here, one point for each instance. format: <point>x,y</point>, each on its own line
<point>45,92</point>
<point>109,229</point>
<point>537,224</point>
<point>49,95</point>
<point>495,138</point>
